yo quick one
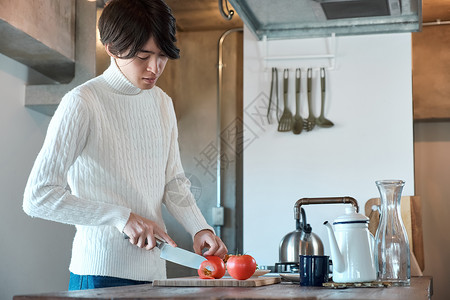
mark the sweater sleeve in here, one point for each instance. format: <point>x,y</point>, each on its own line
<point>46,194</point>
<point>178,197</point>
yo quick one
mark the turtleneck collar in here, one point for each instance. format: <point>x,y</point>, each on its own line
<point>118,81</point>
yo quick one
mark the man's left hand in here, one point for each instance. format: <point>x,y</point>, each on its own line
<point>207,239</point>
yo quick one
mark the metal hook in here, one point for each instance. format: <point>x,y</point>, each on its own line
<point>229,14</point>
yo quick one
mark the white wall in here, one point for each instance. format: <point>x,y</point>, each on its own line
<point>34,254</point>
<point>369,99</point>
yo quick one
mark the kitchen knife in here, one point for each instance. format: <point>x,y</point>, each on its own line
<point>178,255</point>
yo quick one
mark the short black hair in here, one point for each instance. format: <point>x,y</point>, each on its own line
<point>126,25</point>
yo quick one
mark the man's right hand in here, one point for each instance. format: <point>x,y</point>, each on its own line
<point>142,232</point>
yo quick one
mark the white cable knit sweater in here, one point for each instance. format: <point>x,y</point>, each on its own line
<point>116,147</point>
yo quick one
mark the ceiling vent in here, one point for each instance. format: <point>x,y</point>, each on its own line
<point>342,9</point>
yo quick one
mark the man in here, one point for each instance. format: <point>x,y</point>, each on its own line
<point>113,142</point>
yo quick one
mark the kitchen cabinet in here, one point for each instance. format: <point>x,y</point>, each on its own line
<point>421,288</point>
<point>431,65</point>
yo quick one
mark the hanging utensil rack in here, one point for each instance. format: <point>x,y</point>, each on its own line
<point>331,56</point>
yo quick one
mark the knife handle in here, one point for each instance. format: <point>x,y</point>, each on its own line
<point>159,242</point>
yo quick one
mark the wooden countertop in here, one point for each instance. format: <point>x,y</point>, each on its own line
<point>421,288</point>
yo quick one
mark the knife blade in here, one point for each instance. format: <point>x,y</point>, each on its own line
<point>178,255</point>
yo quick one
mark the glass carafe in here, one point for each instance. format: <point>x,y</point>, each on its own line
<point>392,256</point>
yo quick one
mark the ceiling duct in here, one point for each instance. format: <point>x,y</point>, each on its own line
<point>280,19</point>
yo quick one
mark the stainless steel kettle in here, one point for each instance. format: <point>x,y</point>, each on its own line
<point>301,241</point>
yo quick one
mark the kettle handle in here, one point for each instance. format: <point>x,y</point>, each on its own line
<point>301,225</point>
<point>329,200</point>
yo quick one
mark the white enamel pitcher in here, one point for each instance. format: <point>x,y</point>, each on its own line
<point>351,246</point>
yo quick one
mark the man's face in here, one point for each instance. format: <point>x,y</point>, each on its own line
<point>144,69</point>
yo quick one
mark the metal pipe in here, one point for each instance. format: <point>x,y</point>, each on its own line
<point>437,22</point>
<point>229,14</point>
<point>219,119</point>
<point>329,200</point>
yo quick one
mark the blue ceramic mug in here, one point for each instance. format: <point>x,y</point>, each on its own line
<point>313,270</point>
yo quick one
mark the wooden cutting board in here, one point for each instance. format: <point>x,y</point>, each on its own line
<point>225,281</point>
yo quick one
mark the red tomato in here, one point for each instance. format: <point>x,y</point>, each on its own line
<point>212,268</point>
<point>241,267</point>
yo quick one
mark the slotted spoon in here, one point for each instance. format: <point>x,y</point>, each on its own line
<point>310,122</point>
<point>321,121</point>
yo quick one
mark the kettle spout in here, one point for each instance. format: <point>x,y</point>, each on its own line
<point>336,255</point>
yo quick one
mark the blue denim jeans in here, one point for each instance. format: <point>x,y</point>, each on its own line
<point>86,282</point>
